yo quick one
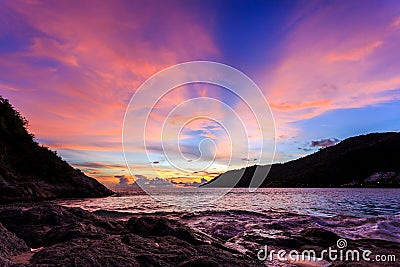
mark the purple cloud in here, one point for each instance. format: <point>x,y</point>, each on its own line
<point>324,142</point>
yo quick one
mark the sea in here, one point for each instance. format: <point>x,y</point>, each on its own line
<point>352,213</point>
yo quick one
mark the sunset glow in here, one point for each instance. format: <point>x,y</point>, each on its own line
<point>328,69</point>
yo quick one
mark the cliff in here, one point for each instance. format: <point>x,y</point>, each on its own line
<point>31,172</point>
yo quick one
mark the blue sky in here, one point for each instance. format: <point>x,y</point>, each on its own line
<point>328,69</point>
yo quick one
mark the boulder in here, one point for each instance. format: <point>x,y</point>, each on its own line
<point>159,226</point>
<point>10,246</point>
<point>74,237</point>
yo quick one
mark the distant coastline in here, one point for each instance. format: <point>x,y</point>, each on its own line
<point>361,161</point>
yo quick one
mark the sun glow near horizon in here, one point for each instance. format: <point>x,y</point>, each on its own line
<point>71,70</point>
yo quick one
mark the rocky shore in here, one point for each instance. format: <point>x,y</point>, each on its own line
<point>52,235</point>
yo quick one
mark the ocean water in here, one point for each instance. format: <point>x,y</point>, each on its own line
<point>350,212</point>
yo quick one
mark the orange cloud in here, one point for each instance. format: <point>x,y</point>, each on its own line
<point>321,103</point>
<point>77,69</point>
<point>356,53</point>
<point>81,64</point>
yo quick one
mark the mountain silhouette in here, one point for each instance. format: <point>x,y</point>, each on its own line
<point>31,172</point>
<point>370,160</point>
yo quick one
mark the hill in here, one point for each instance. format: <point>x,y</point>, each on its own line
<point>31,172</point>
<point>363,161</point>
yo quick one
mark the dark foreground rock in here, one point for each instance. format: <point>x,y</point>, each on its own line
<point>10,246</point>
<point>52,235</point>
<point>251,232</point>
<point>73,237</point>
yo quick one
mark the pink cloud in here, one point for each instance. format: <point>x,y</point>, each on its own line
<point>327,63</point>
<point>396,22</point>
<point>101,55</point>
<point>79,67</point>
<point>46,47</point>
<point>358,53</point>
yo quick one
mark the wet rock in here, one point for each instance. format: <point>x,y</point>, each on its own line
<point>319,236</point>
<point>377,247</point>
<point>48,224</point>
<point>10,245</point>
<point>199,262</point>
<point>109,251</point>
<point>74,237</point>
<point>225,231</point>
<point>134,250</point>
<point>158,226</point>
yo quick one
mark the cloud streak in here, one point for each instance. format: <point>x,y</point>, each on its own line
<point>324,142</point>
<point>71,68</point>
<point>326,63</point>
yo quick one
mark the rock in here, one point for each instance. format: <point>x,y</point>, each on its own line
<point>225,231</point>
<point>49,224</point>
<point>109,251</point>
<point>134,250</point>
<point>158,226</point>
<point>319,236</point>
<point>199,262</point>
<point>74,237</point>
<point>10,245</point>
<point>377,247</point>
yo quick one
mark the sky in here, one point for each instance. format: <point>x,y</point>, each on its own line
<point>328,69</point>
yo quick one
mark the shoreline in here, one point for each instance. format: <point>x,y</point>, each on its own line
<point>62,236</point>
<point>68,236</point>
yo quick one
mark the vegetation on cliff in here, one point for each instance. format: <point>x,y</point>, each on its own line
<point>369,160</point>
<point>31,172</point>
